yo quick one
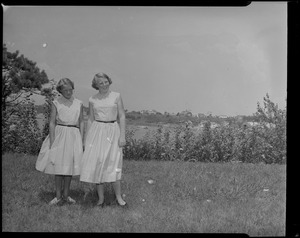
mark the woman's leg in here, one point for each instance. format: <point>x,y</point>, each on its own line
<point>117,188</point>
<point>58,185</point>
<point>100,191</point>
<point>67,183</point>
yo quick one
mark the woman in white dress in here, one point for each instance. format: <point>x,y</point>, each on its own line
<point>105,137</point>
<point>62,149</point>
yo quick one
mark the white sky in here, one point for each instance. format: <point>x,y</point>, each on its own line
<point>221,60</point>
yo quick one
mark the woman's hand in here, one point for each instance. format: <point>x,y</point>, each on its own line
<point>122,142</point>
<point>52,124</point>
<point>51,143</point>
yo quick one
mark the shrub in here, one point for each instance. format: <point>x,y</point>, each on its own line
<point>20,132</point>
<point>265,142</point>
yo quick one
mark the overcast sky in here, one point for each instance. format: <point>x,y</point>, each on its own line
<point>219,60</point>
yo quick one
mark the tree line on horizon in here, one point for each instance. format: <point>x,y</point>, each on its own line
<point>140,118</point>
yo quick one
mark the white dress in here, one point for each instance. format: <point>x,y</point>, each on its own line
<point>65,155</point>
<point>102,158</point>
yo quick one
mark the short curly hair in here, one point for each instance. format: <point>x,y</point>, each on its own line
<point>63,82</point>
<point>99,76</point>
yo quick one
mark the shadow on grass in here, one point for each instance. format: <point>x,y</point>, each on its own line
<point>46,196</point>
<point>86,199</point>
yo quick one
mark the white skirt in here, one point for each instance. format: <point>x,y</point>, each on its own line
<point>64,157</point>
<point>102,158</point>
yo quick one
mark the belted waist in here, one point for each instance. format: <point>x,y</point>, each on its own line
<point>106,121</point>
<point>67,125</point>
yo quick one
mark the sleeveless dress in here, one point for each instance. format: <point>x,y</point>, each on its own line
<point>102,158</point>
<point>65,154</point>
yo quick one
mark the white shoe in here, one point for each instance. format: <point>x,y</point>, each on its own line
<point>70,200</point>
<point>54,201</point>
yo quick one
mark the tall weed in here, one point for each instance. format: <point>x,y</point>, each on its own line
<point>226,143</point>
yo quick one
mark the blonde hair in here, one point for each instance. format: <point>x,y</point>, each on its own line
<point>63,82</point>
<point>99,76</point>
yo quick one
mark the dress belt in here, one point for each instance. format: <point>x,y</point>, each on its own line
<point>67,125</point>
<point>106,121</point>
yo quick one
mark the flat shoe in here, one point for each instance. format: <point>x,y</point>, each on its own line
<point>100,204</point>
<point>70,200</point>
<point>124,205</point>
<point>54,201</point>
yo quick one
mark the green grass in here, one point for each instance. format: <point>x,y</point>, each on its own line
<point>185,197</point>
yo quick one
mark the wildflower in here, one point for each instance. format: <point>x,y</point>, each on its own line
<point>208,200</point>
<point>150,181</point>
<point>266,190</point>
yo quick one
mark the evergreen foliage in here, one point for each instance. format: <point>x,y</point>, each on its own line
<point>20,79</point>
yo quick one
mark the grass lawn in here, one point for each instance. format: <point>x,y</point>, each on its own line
<point>184,197</point>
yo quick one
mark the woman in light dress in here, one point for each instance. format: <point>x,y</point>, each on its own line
<point>62,149</point>
<point>102,158</point>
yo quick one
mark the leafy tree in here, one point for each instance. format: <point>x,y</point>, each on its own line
<point>273,129</point>
<point>270,113</point>
<point>20,77</point>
